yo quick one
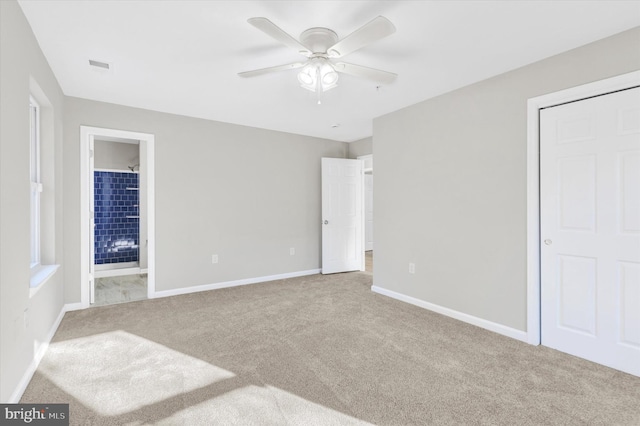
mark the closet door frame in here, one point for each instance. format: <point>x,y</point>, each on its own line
<point>534,105</point>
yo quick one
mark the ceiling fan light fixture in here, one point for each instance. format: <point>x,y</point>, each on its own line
<point>306,77</point>
<point>318,75</point>
<point>330,78</point>
<point>329,74</point>
<point>320,45</point>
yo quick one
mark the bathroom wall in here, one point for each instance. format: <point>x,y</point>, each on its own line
<point>117,217</point>
<point>120,155</point>
<point>115,155</point>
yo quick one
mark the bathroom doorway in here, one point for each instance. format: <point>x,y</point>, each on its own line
<point>118,216</point>
<point>119,229</point>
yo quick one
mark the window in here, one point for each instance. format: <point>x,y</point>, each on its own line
<point>41,175</point>
<point>36,183</point>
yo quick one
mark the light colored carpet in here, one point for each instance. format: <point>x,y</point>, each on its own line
<point>315,350</point>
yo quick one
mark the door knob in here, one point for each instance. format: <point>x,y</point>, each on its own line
<point>326,222</point>
<point>548,242</point>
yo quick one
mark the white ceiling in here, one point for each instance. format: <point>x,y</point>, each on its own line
<point>183,57</point>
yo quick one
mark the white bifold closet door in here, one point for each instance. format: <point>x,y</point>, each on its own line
<point>590,229</point>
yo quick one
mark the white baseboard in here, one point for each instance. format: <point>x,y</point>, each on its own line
<point>216,286</point>
<point>470,319</point>
<point>37,357</point>
<point>73,307</point>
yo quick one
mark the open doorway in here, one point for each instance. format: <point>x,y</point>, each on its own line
<point>368,211</point>
<point>117,216</point>
<point>119,225</point>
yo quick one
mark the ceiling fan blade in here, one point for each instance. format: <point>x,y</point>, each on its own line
<point>262,71</point>
<point>271,29</point>
<point>376,29</point>
<point>366,72</point>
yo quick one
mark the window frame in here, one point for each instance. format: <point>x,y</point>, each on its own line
<point>35,181</point>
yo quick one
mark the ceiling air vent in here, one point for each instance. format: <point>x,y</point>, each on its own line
<point>99,66</point>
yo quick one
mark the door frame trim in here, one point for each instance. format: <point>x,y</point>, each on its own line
<point>534,105</point>
<point>146,139</point>
<point>364,204</point>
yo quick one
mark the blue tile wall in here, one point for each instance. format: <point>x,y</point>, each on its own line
<point>116,198</point>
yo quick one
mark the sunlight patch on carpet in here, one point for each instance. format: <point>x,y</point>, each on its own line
<point>260,405</point>
<point>118,372</point>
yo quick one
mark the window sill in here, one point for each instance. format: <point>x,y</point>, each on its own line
<point>39,276</point>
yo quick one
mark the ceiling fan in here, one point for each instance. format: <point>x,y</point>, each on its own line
<point>321,46</point>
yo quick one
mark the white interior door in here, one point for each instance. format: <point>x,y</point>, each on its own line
<point>92,222</point>
<point>368,211</point>
<point>342,215</point>
<point>590,229</point>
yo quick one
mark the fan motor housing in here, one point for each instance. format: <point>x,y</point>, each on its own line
<point>318,39</point>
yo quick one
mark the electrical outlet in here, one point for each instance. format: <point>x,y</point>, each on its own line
<point>292,251</point>
<point>412,268</point>
<point>214,258</point>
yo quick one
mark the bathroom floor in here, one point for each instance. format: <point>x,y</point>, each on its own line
<point>125,288</point>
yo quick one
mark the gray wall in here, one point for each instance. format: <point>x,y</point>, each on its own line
<point>361,147</point>
<point>451,184</point>
<point>115,155</point>
<point>245,194</point>
<point>20,59</point>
